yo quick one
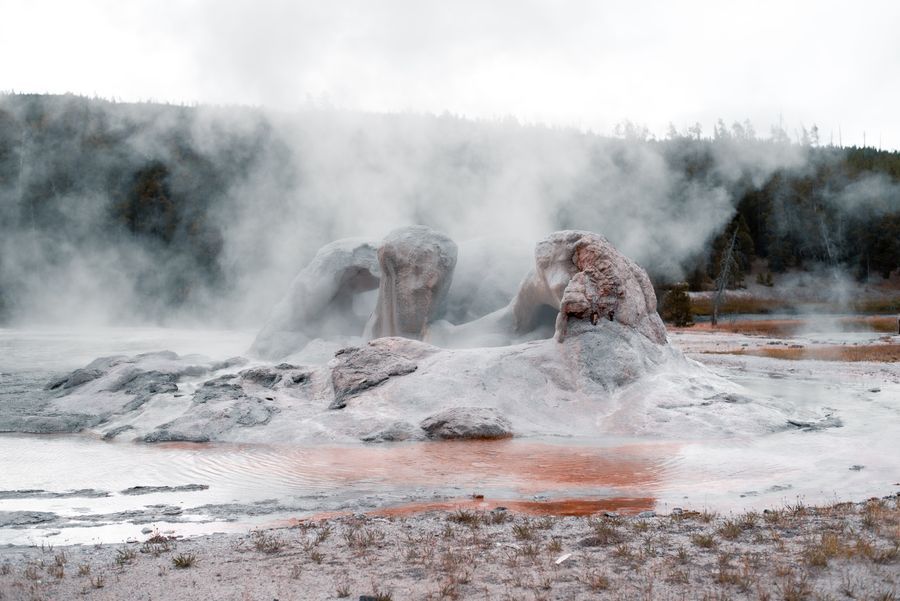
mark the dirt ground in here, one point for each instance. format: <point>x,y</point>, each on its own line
<point>842,551</point>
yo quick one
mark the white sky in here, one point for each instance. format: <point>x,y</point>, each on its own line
<point>581,63</point>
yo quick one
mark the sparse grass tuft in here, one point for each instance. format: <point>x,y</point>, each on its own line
<point>267,543</point>
<point>183,561</point>
<point>706,516</point>
<point>704,541</point>
<point>730,530</point>
<point>363,538</point>
<point>125,556</point>
<point>795,589</point>
<point>773,517</point>
<point>818,553</point>
<point>597,581</point>
<point>322,533</point>
<point>498,517</point>
<point>545,523</point>
<point>523,531</point>
<point>604,533</point>
<point>472,519</point>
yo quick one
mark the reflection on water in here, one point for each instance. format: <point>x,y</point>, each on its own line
<point>522,466</point>
<point>266,484</point>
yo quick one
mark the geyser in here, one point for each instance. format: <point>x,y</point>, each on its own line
<point>578,350</point>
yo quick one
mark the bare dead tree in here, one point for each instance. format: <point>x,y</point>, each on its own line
<point>722,280</point>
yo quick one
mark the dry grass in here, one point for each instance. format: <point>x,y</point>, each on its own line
<point>880,353</point>
<point>787,328</point>
<point>472,519</point>
<point>267,543</point>
<point>704,541</point>
<point>796,552</point>
<point>739,304</point>
<point>183,561</point>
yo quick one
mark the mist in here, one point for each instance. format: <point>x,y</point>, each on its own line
<point>119,213</point>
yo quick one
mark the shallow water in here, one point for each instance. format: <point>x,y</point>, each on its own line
<point>261,484</point>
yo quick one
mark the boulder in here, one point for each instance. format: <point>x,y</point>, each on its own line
<point>417,269</point>
<point>467,423</point>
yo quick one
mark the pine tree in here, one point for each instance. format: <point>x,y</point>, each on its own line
<point>676,306</point>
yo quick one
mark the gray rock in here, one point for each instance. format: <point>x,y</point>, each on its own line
<point>219,389</point>
<point>51,424</point>
<point>395,432</point>
<point>264,376</point>
<point>13,519</point>
<point>76,378</point>
<point>360,368</point>
<point>148,490</point>
<point>467,423</point>
<point>166,435</point>
<point>321,299</point>
<point>112,433</point>
<point>46,494</point>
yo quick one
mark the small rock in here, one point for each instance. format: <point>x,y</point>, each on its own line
<point>146,530</point>
<point>677,511</point>
<point>610,514</point>
<point>647,514</point>
<point>856,468</point>
<point>874,390</point>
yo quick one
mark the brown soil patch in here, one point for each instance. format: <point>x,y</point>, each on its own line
<point>785,328</point>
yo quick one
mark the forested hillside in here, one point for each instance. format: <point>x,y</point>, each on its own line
<point>145,211</point>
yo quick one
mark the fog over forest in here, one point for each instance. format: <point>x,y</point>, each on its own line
<point>150,213</point>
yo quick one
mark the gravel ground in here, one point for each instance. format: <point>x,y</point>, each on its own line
<point>842,551</point>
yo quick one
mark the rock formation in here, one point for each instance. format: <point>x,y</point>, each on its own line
<point>579,350</point>
<point>576,275</point>
<point>322,299</point>
<point>417,268</point>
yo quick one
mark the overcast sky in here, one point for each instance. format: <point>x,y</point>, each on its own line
<point>580,63</point>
